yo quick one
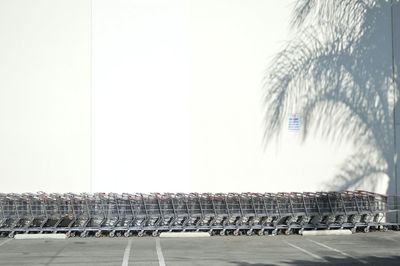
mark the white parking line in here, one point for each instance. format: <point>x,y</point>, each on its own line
<point>338,251</point>
<point>306,251</point>
<point>160,255</point>
<point>392,239</point>
<point>127,252</point>
<point>5,242</point>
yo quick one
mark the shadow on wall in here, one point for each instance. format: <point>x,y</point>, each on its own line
<point>372,260</point>
<point>337,74</point>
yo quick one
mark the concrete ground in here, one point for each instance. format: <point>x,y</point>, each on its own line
<point>377,248</point>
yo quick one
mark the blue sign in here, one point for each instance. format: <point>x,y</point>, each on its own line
<point>294,122</point>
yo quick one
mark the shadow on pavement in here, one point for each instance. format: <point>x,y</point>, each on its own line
<point>370,260</point>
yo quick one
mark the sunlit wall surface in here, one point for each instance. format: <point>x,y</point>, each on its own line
<point>190,95</point>
<point>197,95</point>
<point>44,95</point>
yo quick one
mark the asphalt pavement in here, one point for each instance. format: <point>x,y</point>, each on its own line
<point>375,248</point>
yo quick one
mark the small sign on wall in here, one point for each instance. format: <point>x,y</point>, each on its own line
<point>294,123</point>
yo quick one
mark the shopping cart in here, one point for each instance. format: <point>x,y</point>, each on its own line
<point>113,214</point>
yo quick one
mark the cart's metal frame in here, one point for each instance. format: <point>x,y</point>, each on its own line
<point>142,214</point>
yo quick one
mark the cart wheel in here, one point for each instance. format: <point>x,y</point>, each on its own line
<point>68,235</point>
<point>385,229</point>
<point>111,234</point>
<point>288,232</point>
<point>97,234</point>
<point>127,234</point>
<point>274,232</point>
<point>249,232</point>
<point>11,235</point>
<point>353,230</point>
<point>236,232</point>
<point>83,234</point>
<point>260,232</point>
<point>140,234</point>
<point>301,231</point>
<point>118,234</point>
<point>366,230</point>
<point>154,234</point>
<point>72,234</point>
<point>222,233</point>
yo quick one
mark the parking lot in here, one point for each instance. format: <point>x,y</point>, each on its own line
<point>377,248</point>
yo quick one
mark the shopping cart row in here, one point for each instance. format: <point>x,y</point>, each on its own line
<point>233,213</point>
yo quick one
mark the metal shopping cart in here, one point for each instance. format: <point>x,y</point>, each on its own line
<point>113,214</point>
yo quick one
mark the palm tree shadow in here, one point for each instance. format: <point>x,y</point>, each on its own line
<point>372,260</point>
<point>337,74</point>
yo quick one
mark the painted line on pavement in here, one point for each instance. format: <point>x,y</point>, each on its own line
<point>306,251</point>
<point>338,251</point>
<point>5,242</point>
<point>127,252</point>
<point>160,255</point>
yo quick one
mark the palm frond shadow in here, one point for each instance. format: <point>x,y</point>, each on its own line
<point>337,74</point>
<point>372,260</point>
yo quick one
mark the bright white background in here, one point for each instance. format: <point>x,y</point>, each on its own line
<point>177,99</point>
<point>44,95</point>
<point>174,89</point>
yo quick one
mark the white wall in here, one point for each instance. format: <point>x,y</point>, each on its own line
<point>44,95</point>
<point>176,99</point>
